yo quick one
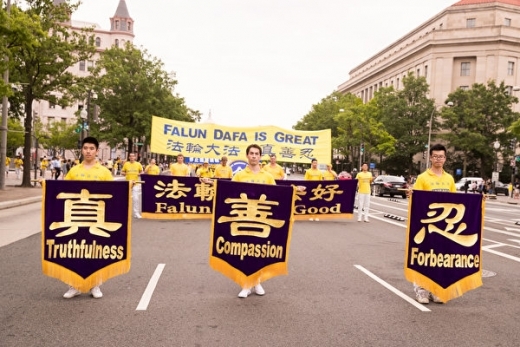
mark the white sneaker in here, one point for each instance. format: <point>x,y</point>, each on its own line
<point>259,290</point>
<point>244,293</point>
<point>96,292</point>
<point>367,221</point>
<point>72,292</point>
<point>435,299</point>
<point>138,216</point>
<point>422,297</point>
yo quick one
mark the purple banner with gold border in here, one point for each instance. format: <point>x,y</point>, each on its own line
<point>176,197</point>
<point>444,242</point>
<point>251,231</point>
<point>86,237</point>
<point>324,199</point>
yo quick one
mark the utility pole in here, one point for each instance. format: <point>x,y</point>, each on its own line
<point>3,127</point>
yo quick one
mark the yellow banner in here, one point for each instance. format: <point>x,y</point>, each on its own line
<point>212,141</point>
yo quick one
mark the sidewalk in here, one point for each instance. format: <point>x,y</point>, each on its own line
<point>14,196</point>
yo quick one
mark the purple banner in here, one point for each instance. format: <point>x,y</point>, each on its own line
<point>86,230</point>
<point>443,245</point>
<point>324,199</point>
<point>251,233</point>
<point>176,197</point>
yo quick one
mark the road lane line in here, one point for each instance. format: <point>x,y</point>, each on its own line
<point>393,289</point>
<point>147,295</point>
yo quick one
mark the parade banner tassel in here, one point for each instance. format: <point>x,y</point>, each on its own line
<point>443,252</point>
<point>86,235</point>
<point>251,231</point>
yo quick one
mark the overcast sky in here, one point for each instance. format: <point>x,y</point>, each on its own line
<point>263,62</point>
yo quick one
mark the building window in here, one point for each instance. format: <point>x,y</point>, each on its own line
<point>425,71</point>
<point>510,68</point>
<point>397,84</point>
<point>129,26</point>
<point>64,120</point>
<point>470,22</point>
<point>464,69</point>
<point>418,72</point>
<point>117,43</point>
<point>440,26</point>
<point>507,22</point>
<point>509,90</point>
<point>98,42</point>
<point>82,65</point>
<point>464,87</point>
<point>117,25</point>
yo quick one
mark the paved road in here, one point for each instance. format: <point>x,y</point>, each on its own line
<point>328,299</point>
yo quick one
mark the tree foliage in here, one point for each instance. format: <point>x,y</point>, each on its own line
<point>132,87</point>
<point>41,63</point>
<point>479,116</point>
<point>15,136</point>
<point>406,114</point>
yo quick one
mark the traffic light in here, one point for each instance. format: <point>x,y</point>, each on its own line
<point>362,149</point>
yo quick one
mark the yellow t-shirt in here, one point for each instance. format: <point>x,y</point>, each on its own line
<point>277,172</point>
<point>96,173</point>
<point>313,175</point>
<point>204,172</point>
<point>364,180</point>
<point>223,172</point>
<point>178,169</point>
<point>249,176</point>
<point>132,170</point>
<point>18,163</point>
<point>330,175</point>
<point>44,163</point>
<point>7,162</point>
<point>428,180</point>
<point>152,169</point>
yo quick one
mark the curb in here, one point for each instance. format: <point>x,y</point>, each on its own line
<point>20,202</point>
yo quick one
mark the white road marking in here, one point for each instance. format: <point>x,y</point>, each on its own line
<point>393,289</point>
<point>147,295</point>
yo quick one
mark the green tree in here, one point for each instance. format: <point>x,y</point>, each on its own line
<point>60,136</point>
<point>40,64</point>
<point>132,87</point>
<point>15,136</point>
<point>406,114</point>
<point>480,116</point>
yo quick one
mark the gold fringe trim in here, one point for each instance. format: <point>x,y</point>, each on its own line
<point>454,291</point>
<point>85,284</point>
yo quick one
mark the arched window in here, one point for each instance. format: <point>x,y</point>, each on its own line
<point>117,25</point>
<point>129,26</point>
<point>117,43</point>
<point>98,42</point>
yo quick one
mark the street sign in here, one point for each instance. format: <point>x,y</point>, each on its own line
<point>139,143</point>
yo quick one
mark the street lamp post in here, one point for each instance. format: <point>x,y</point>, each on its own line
<point>496,146</point>
<point>449,103</point>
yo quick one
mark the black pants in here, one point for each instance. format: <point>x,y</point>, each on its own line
<point>57,173</point>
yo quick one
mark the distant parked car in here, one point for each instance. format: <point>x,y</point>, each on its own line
<point>389,185</point>
<point>501,188</point>
<point>460,184</point>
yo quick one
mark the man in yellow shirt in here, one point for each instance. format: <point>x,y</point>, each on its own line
<point>152,168</point>
<point>8,162</point>
<point>179,168</point>
<point>204,171</point>
<point>438,180</point>
<point>132,169</point>
<point>43,166</point>
<point>313,174</point>
<point>18,166</point>
<point>223,170</point>
<point>88,170</point>
<point>253,173</point>
<point>274,169</point>
<point>364,178</point>
<point>330,175</point>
